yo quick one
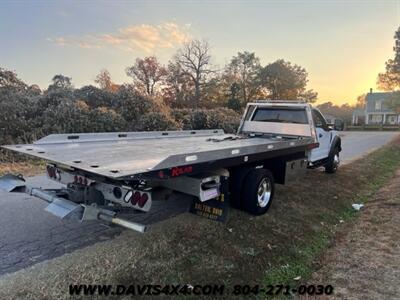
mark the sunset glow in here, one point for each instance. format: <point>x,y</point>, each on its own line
<point>342,45</point>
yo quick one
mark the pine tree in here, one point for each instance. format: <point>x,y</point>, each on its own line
<point>390,80</point>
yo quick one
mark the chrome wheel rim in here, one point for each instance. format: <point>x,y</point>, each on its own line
<point>336,161</point>
<point>264,192</point>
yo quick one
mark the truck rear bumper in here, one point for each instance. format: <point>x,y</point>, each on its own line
<point>64,208</point>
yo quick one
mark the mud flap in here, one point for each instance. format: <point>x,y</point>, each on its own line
<point>215,209</point>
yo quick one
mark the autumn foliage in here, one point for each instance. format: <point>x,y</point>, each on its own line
<point>189,92</point>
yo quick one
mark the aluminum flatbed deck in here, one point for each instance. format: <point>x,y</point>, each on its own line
<point>123,154</point>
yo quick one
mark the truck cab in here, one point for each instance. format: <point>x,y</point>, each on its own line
<point>295,119</point>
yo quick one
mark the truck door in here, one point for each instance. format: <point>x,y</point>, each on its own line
<point>323,136</point>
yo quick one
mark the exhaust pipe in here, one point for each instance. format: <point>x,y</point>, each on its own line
<point>124,223</point>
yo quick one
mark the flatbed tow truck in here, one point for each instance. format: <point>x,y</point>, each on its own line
<point>104,174</point>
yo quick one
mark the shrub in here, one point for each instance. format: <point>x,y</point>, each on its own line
<point>156,121</point>
<point>219,118</point>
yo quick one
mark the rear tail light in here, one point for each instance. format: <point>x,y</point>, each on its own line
<point>81,180</point>
<point>312,146</point>
<point>135,198</point>
<point>53,172</point>
<point>143,199</point>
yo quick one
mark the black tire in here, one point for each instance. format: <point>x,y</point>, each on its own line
<point>333,162</point>
<point>252,187</point>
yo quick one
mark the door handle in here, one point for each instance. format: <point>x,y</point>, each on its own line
<point>320,135</point>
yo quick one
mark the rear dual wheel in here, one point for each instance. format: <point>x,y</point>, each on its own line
<point>258,191</point>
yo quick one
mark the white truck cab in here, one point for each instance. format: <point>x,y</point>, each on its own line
<point>284,118</point>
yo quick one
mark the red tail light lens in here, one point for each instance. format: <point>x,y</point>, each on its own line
<point>52,172</point>
<point>143,200</point>
<point>135,198</point>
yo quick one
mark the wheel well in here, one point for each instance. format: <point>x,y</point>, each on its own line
<point>277,166</point>
<point>336,144</point>
<point>236,178</point>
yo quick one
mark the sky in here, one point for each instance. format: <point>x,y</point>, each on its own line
<point>343,45</point>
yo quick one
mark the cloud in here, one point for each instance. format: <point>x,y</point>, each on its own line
<point>58,41</point>
<point>145,37</point>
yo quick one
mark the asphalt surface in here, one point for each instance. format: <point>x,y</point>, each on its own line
<point>30,235</point>
<point>358,143</point>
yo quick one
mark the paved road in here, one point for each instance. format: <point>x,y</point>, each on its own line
<point>29,234</point>
<point>356,144</point>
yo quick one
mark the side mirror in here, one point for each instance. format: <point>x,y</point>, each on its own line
<point>338,126</point>
<point>325,127</point>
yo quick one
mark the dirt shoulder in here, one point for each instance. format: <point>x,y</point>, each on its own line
<point>270,249</point>
<point>364,262</point>
<point>28,168</point>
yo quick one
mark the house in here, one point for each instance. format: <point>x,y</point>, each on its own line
<point>376,111</point>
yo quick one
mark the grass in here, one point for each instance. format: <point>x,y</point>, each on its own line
<point>27,168</point>
<point>300,262</point>
<point>365,253</point>
<point>16,163</point>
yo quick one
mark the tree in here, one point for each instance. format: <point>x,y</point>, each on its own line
<point>286,81</point>
<point>233,98</point>
<point>132,105</point>
<point>214,93</point>
<point>10,79</point>
<point>194,60</point>
<point>34,90</point>
<point>244,70</point>
<point>60,82</point>
<point>361,100</point>
<point>393,102</point>
<point>147,73</point>
<point>179,89</point>
<point>344,111</point>
<point>390,80</point>
<point>103,79</point>
<point>95,97</point>
<point>309,96</point>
